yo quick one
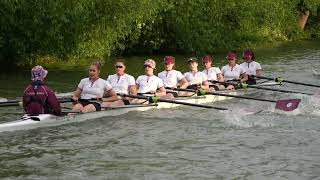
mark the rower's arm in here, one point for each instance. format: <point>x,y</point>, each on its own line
<point>258,72</point>
<point>220,77</point>
<point>205,85</point>
<point>244,77</point>
<point>111,96</point>
<point>77,94</point>
<point>133,90</point>
<point>183,83</point>
<point>162,92</point>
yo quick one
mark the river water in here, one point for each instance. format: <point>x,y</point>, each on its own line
<point>180,143</point>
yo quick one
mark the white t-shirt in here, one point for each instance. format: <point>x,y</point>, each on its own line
<point>121,84</point>
<point>148,83</point>
<point>93,89</point>
<point>170,78</point>
<point>251,68</point>
<point>231,73</point>
<point>197,78</point>
<point>212,73</point>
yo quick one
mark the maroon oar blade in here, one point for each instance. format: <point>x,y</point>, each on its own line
<point>288,104</point>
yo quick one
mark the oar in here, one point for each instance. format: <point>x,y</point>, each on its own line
<point>4,101</point>
<point>153,99</point>
<point>285,105</point>
<point>244,86</point>
<point>19,103</point>
<point>279,79</point>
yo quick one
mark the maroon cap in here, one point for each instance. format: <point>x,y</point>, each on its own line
<point>232,55</point>
<point>206,58</point>
<point>169,60</point>
<point>247,53</point>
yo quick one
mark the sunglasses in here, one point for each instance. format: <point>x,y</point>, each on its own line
<point>119,67</point>
<point>147,66</point>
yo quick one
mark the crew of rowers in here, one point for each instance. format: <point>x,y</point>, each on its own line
<point>94,92</point>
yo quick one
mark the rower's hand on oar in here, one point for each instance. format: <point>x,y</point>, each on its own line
<point>122,96</point>
<point>99,99</point>
<point>153,92</point>
<point>75,100</point>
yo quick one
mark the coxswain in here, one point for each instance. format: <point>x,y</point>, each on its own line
<point>38,98</point>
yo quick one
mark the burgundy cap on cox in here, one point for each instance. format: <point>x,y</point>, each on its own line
<point>38,73</point>
<point>169,60</point>
<point>231,55</point>
<point>206,58</point>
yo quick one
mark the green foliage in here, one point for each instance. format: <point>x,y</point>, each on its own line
<point>209,25</point>
<point>307,5</point>
<point>74,29</point>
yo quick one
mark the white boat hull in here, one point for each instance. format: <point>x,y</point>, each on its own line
<point>30,122</point>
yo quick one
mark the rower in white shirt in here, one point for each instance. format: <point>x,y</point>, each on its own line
<point>195,78</point>
<point>250,66</point>
<point>212,73</point>
<point>149,83</point>
<point>232,71</point>
<point>92,88</point>
<point>172,78</point>
<point>121,83</point>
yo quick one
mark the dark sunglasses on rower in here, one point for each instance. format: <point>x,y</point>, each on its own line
<point>119,67</point>
<point>147,66</point>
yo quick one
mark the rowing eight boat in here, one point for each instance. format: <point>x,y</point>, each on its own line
<point>30,122</point>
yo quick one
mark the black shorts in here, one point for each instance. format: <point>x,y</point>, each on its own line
<point>86,102</point>
<point>251,82</point>
<point>193,86</point>
<point>175,94</point>
<point>126,101</point>
<point>214,86</point>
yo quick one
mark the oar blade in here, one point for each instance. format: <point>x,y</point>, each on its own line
<point>288,104</point>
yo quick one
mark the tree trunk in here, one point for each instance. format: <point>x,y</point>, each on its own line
<point>303,18</point>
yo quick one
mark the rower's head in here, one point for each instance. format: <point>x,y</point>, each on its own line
<point>248,55</point>
<point>207,61</point>
<point>149,66</point>
<point>169,62</point>
<point>94,70</point>
<point>193,63</point>
<point>120,66</point>
<point>38,73</point>
<point>232,57</point>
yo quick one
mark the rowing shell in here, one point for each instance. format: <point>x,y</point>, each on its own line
<point>31,122</point>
